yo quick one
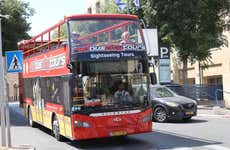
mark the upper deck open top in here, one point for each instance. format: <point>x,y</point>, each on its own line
<point>88,32</point>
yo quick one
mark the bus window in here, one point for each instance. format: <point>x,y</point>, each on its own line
<point>100,81</point>
<point>102,32</point>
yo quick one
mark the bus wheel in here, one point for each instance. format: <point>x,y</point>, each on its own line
<point>56,129</point>
<point>30,118</point>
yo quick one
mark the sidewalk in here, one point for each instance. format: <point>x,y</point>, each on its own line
<point>24,147</point>
<point>209,108</point>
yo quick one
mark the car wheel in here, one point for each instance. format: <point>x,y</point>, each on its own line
<point>160,114</point>
<point>56,129</point>
<point>30,118</point>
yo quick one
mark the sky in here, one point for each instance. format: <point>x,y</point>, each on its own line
<point>50,12</point>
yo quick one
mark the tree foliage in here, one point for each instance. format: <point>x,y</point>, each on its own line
<point>63,33</point>
<point>15,28</point>
<point>192,27</point>
<point>109,7</point>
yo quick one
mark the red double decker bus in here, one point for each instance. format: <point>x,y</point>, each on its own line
<point>87,77</point>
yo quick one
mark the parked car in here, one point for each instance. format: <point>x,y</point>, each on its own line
<point>167,105</point>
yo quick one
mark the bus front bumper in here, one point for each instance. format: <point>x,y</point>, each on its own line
<point>88,127</point>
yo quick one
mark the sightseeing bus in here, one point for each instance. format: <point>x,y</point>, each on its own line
<point>73,72</point>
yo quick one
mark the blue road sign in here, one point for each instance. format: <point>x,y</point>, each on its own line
<point>14,61</point>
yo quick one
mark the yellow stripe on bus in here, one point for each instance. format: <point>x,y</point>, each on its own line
<point>61,124</point>
<point>34,113</point>
<point>65,124</point>
<point>47,117</point>
<point>68,126</point>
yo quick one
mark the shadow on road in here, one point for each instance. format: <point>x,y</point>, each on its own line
<point>113,143</point>
<point>192,121</point>
<point>155,140</point>
<point>17,118</point>
<point>16,115</point>
<point>169,140</point>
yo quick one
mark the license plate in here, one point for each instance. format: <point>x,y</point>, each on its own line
<point>189,113</point>
<point>118,133</point>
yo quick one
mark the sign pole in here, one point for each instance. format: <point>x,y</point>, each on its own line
<point>2,92</point>
<point>14,63</point>
<point>8,125</point>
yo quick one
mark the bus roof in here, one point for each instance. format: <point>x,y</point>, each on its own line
<point>91,16</point>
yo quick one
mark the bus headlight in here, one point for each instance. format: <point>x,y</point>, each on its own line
<point>146,118</point>
<point>83,124</point>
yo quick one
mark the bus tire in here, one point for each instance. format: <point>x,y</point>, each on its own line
<point>31,123</point>
<point>56,129</point>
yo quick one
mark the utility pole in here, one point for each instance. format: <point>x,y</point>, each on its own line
<point>3,94</point>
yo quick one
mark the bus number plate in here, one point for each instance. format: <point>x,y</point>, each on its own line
<point>118,133</point>
<point>189,113</point>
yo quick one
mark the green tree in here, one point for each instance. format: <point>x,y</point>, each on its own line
<point>15,28</point>
<point>109,7</point>
<point>63,33</point>
<point>192,27</point>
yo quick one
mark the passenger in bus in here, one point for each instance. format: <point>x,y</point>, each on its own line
<point>125,38</point>
<point>121,95</point>
<point>75,38</point>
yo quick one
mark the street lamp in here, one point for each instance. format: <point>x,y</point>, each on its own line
<point>3,85</point>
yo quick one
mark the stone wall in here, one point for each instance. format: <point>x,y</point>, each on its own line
<point>12,81</point>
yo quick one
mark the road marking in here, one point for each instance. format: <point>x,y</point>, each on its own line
<point>183,148</point>
<point>216,147</point>
<point>217,116</point>
<point>206,147</point>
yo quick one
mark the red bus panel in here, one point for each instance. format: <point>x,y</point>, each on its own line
<point>113,125</point>
<point>52,63</point>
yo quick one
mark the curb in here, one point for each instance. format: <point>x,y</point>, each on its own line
<point>21,147</point>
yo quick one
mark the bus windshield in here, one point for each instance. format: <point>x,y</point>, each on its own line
<point>110,85</point>
<point>85,35</point>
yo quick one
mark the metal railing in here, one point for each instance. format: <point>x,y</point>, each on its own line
<point>199,92</point>
<point>216,95</point>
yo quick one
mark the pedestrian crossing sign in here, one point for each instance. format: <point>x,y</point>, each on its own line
<point>14,61</point>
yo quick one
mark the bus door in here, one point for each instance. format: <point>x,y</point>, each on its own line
<point>67,107</point>
<point>38,101</point>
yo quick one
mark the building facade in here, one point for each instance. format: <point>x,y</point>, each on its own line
<point>12,86</point>
<point>94,6</point>
<point>216,72</point>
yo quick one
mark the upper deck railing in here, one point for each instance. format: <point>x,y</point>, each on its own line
<point>53,37</point>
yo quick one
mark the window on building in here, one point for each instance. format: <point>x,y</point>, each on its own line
<point>90,10</point>
<point>98,7</point>
<point>217,80</point>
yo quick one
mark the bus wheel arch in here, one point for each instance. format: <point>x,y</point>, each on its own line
<point>52,118</point>
<point>30,117</point>
<point>56,127</point>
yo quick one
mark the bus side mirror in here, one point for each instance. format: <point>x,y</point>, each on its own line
<point>153,78</point>
<point>69,66</point>
<point>150,64</point>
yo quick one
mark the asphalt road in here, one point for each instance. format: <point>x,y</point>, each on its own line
<point>201,133</point>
